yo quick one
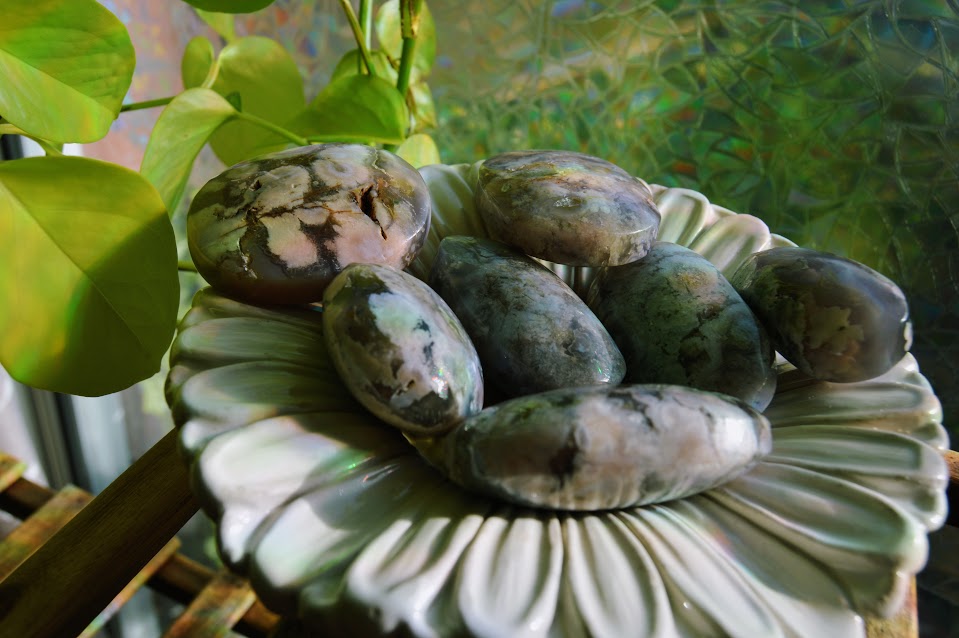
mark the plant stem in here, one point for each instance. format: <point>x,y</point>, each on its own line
<point>270,126</point>
<point>366,22</point>
<point>147,104</point>
<point>358,35</point>
<point>185,266</point>
<point>409,25</point>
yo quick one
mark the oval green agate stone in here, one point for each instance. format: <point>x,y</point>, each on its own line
<point>833,318</point>
<point>531,330</point>
<point>677,320</point>
<point>400,350</point>
<point>603,447</point>
<point>566,207</point>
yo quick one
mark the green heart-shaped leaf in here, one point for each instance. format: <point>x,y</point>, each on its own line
<point>268,82</point>
<point>222,23</point>
<point>88,276</point>
<point>230,6</point>
<point>197,63</point>
<point>182,129</point>
<point>355,108</point>
<point>388,31</point>
<point>419,150</point>
<point>65,67</point>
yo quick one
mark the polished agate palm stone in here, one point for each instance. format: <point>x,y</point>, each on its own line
<point>677,320</point>
<point>531,330</point>
<point>833,318</point>
<point>278,228</point>
<point>603,448</point>
<point>566,207</point>
<point>400,349</point>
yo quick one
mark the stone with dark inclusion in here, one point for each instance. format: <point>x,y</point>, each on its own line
<point>566,207</point>
<point>602,447</point>
<point>833,318</point>
<point>677,320</point>
<point>400,350</point>
<point>277,228</point>
<point>531,330</point>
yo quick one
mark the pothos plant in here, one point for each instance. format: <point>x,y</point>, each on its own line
<point>89,283</point>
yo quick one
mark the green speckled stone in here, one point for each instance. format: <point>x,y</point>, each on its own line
<point>677,320</point>
<point>566,207</point>
<point>400,350</point>
<point>531,330</point>
<point>603,447</point>
<point>833,318</point>
<point>277,229</point>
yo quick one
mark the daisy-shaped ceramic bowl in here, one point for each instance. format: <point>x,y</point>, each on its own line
<point>338,522</point>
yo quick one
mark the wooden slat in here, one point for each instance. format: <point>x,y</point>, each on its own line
<point>132,587</point>
<point>180,578</point>
<point>40,527</point>
<point>216,610</point>
<point>11,469</point>
<point>952,458</point>
<point>88,562</point>
<point>904,624</point>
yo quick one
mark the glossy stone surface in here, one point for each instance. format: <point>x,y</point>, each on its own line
<point>833,318</point>
<point>400,350</point>
<point>603,447</point>
<point>677,320</point>
<point>566,207</point>
<point>531,330</point>
<point>277,229</point>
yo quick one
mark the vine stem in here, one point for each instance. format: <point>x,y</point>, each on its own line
<point>366,22</point>
<point>147,104</point>
<point>270,126</point>
<point>185,266</point>
<point>409,25</point>
<point>358,35</point>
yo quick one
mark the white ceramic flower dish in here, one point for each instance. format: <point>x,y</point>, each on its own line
<point>337,521</point>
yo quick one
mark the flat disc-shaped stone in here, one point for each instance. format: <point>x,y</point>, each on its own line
<point>400,349</point>
<point>531,330</point>
<point>566,207</point>
<point>277,229</point>
<point>603,447</point>
<point>833,318</point>
<point>677,320</point>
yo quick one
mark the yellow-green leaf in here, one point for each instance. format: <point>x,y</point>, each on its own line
<point>355,108</point>
<point>268,82</point>
<point>88,276</point>
<point>182,129</point>
<point>222,23</point>
<point>64,68</point>
<point>419,150</point>
<point>197,63</point>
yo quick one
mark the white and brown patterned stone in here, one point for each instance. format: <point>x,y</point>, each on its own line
<point>277,228</point>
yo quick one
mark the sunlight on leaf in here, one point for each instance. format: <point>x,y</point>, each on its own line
<point>66,67</point>
<point>419,150</point>
<point>357,108</point>
<point>230,6</point>
<point>197,63</point>
<point>268,82</point>
<point>90,268</point>
<point>183,128</point>
<point>388,31</point>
